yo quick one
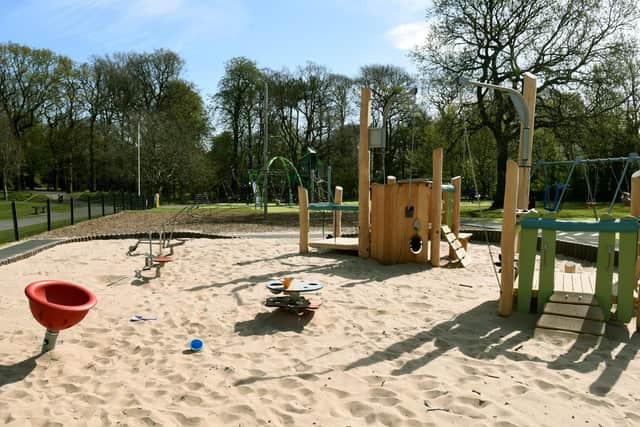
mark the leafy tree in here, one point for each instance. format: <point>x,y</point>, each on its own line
<point>497,41</point>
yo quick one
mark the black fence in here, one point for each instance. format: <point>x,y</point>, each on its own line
<point>31,217</point>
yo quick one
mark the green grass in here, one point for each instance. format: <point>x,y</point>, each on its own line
<point>25,208</point>
<point>568,211</point>
<point>7,236</point>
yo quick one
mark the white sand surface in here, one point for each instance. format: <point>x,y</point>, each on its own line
<point>401,345</point>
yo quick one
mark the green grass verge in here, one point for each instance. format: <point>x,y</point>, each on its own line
<point>7,236</point>
<point>568,211</point>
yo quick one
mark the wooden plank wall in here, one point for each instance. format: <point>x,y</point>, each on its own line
<point>391,229</point>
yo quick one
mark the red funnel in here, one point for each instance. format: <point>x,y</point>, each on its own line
<point>59,305</point>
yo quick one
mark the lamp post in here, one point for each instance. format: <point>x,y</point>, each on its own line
<point>265,151</point>
<point>525,107</point>
<point>138,158</point>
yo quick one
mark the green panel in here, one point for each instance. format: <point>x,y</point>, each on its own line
<point>547,267</point>
<point>526,266</point>
<point>626,272</point>
<point>449,197</point>
<point>330,206</point>
<point>585,226</point>
<point>604,267</point>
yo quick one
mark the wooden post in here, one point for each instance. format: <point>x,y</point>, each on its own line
<point>436,207</point>
<point>529,91</point>
<point>337,214</point>
<point>391,179</point>
<point>363,174</point>
<point>507,240</point>
<point>455,211</point>
<point>635,211</point>
<point>303,203</point>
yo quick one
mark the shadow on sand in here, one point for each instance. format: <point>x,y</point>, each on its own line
<point>481,334</point>
<point>279,320</point>
<point>18,371</point>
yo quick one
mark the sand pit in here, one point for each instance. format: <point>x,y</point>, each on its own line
<point>400,345</point>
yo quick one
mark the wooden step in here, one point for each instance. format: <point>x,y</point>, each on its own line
<point>583,311</point>
<point>571,324</point>
<point>573,298</point>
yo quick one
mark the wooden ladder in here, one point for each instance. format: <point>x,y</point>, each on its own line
<point>455,245</point>
<point>572,312</point>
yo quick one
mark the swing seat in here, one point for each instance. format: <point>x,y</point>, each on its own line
<point>557,191</point>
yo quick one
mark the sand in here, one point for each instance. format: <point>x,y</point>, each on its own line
<point>402,345</point>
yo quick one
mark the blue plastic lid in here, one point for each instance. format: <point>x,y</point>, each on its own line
<point>196,344</point>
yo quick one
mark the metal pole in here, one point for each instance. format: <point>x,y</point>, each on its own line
<point>138,157</point>
<point>71,210</point>
<point>16,230</point>
<point>89,206</point>
<point>48,214</point>
<point>102,201</point>
<point>620,181</point>
<point>265,148</point>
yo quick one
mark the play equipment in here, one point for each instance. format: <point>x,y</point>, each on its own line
<point>560,189</point>
<point>293,290</point>
<point>281,181</point>
<point>397,219</point>
<point>560,301</point>
<point>58,305</point>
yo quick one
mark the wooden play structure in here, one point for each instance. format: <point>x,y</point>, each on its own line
<point>397,220</point>
<point>568,301</point>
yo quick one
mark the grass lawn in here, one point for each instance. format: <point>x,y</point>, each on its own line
<point>468,209</point>
<point>568,211</point>
<point>7,236</point>
<point>25,208</point>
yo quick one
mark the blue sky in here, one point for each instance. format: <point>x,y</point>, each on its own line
<point>340,34</point>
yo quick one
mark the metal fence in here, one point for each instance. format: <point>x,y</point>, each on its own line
<point>36,217</point>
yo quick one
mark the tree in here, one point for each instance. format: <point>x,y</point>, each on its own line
<point>392,104</point>
<point>28,78</point>
<point>497,41</point>
<point>236,100</point>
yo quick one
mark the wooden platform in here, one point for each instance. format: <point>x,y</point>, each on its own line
<point>572,313</point>
<point>583,283</point>
<point>338,243</point>
<point>571,324</point>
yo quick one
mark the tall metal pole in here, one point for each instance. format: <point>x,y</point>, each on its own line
<point>266,147</point>
<point>138,157</point>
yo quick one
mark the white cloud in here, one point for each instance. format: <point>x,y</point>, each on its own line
<point>407,36</point>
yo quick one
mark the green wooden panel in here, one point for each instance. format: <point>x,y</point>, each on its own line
<point>626,272</point>
<point>547,267</point>
<point>526,266</point>
<point>585,226</point>
<point>604,266</point>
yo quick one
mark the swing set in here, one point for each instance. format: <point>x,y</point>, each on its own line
<point>554,193</point>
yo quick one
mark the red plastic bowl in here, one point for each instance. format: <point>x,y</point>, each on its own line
<point>57,304</point>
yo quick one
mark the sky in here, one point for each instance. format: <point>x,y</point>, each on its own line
<point>342,35</point>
